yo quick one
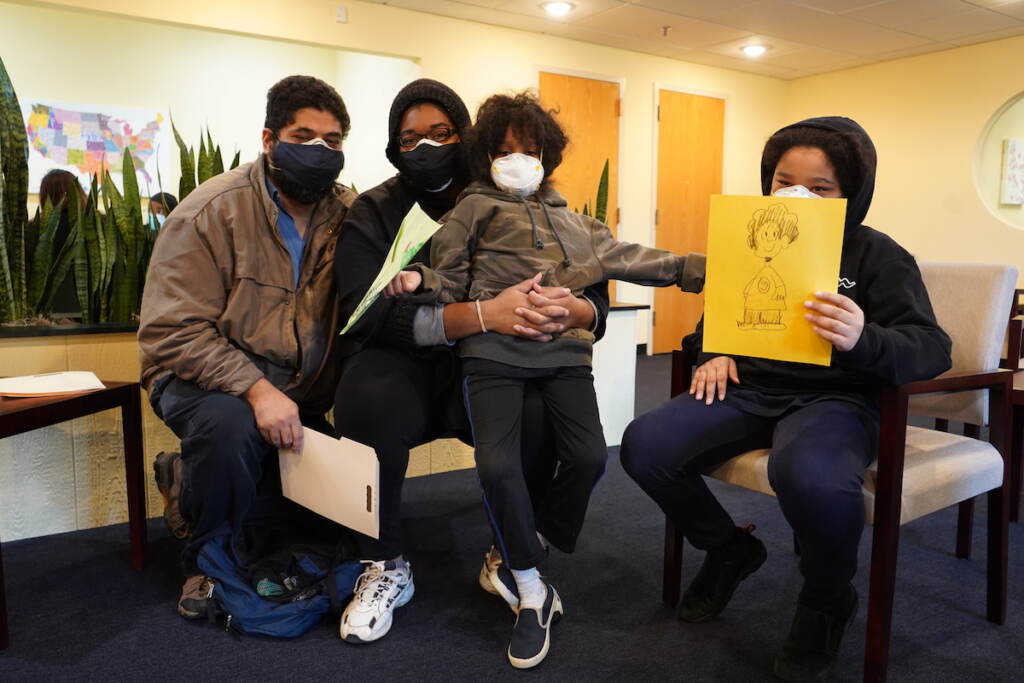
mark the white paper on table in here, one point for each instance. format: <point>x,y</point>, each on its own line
<point>336,478</point>
<point>50,384</point>
<point>417,227</point>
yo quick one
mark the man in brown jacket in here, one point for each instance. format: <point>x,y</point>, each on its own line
<point>239,322</point>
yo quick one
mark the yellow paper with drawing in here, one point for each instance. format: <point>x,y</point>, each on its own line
<point>766,256</point>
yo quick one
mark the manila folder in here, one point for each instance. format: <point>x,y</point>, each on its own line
<point>336,478</point>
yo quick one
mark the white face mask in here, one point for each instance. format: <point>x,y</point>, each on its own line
<point>517,174</point>
<point>795,191</point>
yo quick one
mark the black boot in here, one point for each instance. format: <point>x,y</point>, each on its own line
<point>723,569</point>
<point>812,645</point>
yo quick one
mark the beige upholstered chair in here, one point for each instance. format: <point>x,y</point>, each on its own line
<point>918,471</point>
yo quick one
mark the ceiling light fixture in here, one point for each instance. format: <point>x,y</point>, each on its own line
<point>754,50</point>
<point>558,9</point>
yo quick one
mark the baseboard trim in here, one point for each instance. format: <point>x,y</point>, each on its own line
<point>641,349</point>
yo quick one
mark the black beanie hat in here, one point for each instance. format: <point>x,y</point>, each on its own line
<point>418,91</point>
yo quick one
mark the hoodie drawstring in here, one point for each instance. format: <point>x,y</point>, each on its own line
<point>537,243</point>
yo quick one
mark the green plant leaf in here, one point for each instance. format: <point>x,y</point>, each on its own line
<point>601,205</point>
<point>42,257</point>
<point>14,175</point>
<point>188,165</point>
<point>205,166</point>
<point>238,156</point>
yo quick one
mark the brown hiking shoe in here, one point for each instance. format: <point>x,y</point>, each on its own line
<point>167,468</point>
<point>195,598</point>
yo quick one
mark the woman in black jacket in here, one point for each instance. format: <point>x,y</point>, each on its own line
<point>821,423</point>
<point>400,379</point>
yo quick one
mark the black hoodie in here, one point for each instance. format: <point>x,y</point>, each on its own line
<point>901,341</point>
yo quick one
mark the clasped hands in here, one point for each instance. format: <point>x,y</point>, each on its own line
<point>527,309</point>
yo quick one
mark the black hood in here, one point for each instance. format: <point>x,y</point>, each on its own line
<point>417,91</point>
<point>858,200</point>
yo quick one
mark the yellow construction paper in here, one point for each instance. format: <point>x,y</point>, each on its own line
<point>766,257</point>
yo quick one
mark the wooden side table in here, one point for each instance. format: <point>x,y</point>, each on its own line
<point>19,415</point>
<point>1016,445</point>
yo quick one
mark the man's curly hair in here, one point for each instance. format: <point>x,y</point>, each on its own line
<point>293,93</point>
<point>529,122</point>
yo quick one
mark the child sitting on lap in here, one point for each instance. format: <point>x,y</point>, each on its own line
<point>509,225</point>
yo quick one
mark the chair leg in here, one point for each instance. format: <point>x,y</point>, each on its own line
<point>135,478</point>
<point>998,553</point>
<point>884,549</point>
<point>964,528</point>
<point>4,635</point>
<point>941,425</point>
<point>673,564</point>
<point>965,511</point>
<point>1016,461</point>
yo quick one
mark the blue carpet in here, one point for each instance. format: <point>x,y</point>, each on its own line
<point>78,612</point>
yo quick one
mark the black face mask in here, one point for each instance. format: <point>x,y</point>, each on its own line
<point>305,173</point>
<point>431,168</point>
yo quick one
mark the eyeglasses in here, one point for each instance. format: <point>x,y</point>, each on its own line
<point>442,134</point>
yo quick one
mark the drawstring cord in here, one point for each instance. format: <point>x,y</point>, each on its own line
<point>537,243</point>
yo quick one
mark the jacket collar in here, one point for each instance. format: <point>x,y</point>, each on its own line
<point>328,211</point>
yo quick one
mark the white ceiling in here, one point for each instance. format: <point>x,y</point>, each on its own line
<point>806,36</point>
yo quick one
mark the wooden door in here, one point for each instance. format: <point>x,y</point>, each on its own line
<point>690,133</point>
<point>588,111</point>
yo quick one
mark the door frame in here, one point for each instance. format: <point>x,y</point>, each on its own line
<point>607,78</point>
<point>658,86</point>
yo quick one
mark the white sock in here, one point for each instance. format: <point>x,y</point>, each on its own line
<point>532,591</point>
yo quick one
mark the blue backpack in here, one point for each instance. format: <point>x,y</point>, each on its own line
<point>297,587</point>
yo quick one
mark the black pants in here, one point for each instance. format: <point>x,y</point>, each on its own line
<point>231,480</point>
<point>818,457</point>
<point>494,396</point>
<point>393,401</point>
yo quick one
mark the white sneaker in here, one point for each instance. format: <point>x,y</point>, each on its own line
<point>378,592</point>
<point>496,579</point>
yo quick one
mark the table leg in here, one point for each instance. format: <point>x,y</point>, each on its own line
<point>4,637</point>
<point>134,471</point>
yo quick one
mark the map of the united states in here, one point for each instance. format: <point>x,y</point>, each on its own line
<point>89,141</point>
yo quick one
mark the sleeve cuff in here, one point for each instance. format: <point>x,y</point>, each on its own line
<point>428,327</point>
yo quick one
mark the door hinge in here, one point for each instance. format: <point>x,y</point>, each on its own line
<point>654,318</point>
<point>618,216</point>
<point>618,107</point>
<point>656,212</point>
<point>659,112</point>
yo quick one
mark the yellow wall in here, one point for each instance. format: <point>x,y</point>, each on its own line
<point>926,115</point>
<point>474,59</point>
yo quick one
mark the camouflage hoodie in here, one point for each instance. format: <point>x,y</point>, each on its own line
<point>492,240</point>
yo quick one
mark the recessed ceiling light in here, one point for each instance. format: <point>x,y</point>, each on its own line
<point>754,50</point>
<point>558,9</point>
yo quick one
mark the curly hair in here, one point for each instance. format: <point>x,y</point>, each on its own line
<point>528,120</point>
<point>842,150</point>
<point>293,93</point>
<point>777,215</point>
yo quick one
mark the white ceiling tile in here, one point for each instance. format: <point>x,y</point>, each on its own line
<point>724,62</point>
<point>695,9</point>
<point>1011,9</point>
<point>647,25</point>
<point>812,27</point>
<point>838,6</point>
<point>986,37</point>
<point>589,35</point>
<point>775,45</point>
<point>583,9</point>
<point>807,59</point>
<point>935,19</point>
<point>914,51</point>
<point>794,74</point>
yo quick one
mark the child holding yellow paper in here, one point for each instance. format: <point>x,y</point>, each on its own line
<point>821,422</point>
<point>509,225</point>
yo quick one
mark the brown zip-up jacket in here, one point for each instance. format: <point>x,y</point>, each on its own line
<point>492,240</point>
<point>220,307</point>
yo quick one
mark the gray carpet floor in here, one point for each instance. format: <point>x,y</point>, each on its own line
<point>78,612</point>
